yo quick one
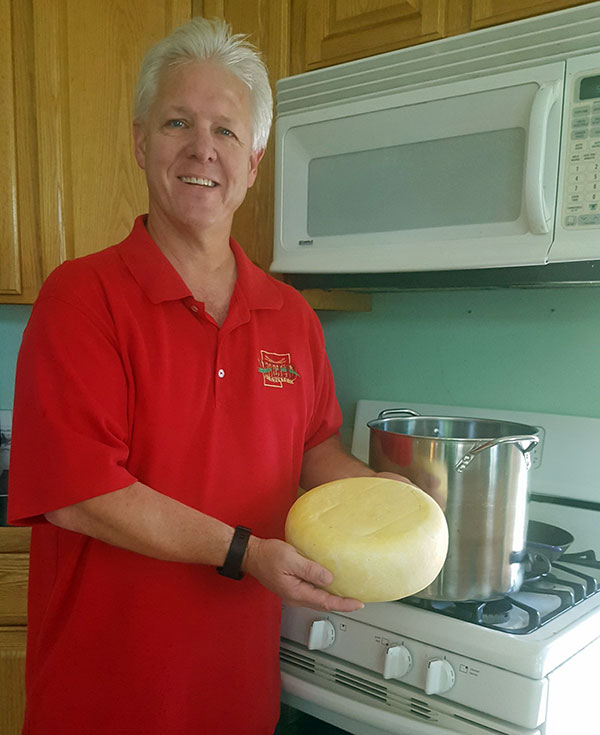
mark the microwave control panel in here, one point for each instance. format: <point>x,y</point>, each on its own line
<point>581,199</point>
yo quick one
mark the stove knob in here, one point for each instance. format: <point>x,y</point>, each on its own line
<point>440,676</point>
<point>398,662</point>
<point>321,635</point>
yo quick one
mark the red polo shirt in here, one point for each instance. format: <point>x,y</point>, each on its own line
<point>122,377</point>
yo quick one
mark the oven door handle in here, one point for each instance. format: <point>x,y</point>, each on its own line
<point>359,711</point>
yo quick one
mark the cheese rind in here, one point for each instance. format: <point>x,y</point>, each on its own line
<point>380,538</point>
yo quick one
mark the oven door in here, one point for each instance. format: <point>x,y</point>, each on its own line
<point>349,707</point>
<point>346,713</point>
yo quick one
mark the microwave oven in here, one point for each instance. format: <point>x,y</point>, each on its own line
<point>473,152</point>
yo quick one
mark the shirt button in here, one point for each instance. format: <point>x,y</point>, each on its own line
<point>194,308</point>
<point>221,373</point>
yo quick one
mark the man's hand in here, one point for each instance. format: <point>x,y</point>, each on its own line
<point>297,580</point>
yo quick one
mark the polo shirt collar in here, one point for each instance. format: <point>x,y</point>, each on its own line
<point>159,280</point>
<point>259,290</point>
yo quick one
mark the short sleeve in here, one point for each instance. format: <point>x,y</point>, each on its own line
<point>327,416</point>
<point>70,420</point>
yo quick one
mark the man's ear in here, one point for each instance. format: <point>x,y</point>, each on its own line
<point>139,139</point>
<point>255,159</point>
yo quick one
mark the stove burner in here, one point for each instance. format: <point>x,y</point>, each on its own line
<point>537,602</point>
<point>496,611</point>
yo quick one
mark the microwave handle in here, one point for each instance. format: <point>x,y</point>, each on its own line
<point>537,212</point>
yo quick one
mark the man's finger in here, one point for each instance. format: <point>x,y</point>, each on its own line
<point>314,573</point>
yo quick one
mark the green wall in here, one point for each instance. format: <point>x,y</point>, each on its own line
<point>517,349</point>
<point>12,323</point>
<point>520,349</point>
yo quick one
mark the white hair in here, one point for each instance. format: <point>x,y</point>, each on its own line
<point>210,40</point>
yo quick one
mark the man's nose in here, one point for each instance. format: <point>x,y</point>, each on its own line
<point>201,145</point>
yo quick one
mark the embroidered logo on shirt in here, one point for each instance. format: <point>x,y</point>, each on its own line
<point>276,369</point>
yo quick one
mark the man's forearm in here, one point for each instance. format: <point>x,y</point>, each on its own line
<point>140,519</point>
<point>330,461</point>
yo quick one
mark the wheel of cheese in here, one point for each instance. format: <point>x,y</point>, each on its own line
<point>381,539</point>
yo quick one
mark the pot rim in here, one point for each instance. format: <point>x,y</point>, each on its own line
<point>510,427</point>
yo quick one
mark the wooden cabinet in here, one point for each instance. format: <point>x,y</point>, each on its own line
<point>492,12</point>
<point>326,32</point>
<point>14,563</point>
<point>342,30</point>
<point>20,272</point>
<point>68,69</point>
<point>67,80</point>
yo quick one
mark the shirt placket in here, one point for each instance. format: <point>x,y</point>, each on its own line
<point>221,369</point>
<point>213,347</point>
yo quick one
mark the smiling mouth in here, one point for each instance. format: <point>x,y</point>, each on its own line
<point>197,182</point>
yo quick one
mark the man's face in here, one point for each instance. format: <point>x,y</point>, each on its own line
<point>196,148</point>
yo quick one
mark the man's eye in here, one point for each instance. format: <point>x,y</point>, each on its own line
<point>226,132</point>
<point>175,124</point>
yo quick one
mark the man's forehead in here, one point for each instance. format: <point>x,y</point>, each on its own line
<point>195,70</point>
<point>176,84</point>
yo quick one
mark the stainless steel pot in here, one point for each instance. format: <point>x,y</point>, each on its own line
<point>477,470</point>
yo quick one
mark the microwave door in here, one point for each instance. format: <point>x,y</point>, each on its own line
<point>457,176</point>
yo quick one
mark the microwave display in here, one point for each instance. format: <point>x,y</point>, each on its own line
<point>589,88</point>
<point>581,200</point>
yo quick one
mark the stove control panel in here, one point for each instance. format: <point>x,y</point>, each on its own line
<point>440,676</point>
<point>401,660</point>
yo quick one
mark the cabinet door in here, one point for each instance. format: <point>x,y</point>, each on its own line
<point>14,570</point>
<point>87,58</point>
<point>9,234</point>
<point>333,31</point>
<point>493,12</point>
<point>12,679</point>
<point>20,267</point>
<point>71,183</point>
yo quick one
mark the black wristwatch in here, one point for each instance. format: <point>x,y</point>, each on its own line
<point>233,561</point>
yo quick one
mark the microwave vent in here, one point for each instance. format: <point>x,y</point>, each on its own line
<point>538,40</point>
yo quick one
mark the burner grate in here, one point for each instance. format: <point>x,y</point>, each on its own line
<point>539,600</point>
<point>583,558</point>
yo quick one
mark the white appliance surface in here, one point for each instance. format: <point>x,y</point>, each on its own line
<point>523,97</point>
<point>397,668</point>
<point>322,216</point>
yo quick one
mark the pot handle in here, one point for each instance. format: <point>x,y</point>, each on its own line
<point>532,440</point>
<point>391,412</point>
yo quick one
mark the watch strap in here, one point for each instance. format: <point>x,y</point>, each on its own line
<point>232,566</point>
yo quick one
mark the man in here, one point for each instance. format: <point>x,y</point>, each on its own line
<point>170,396</point>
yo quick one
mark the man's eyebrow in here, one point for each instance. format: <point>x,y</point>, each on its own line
<point>178,108</point>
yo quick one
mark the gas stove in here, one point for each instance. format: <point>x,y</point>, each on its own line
<point>524,664</point>
<point>558,590</point>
